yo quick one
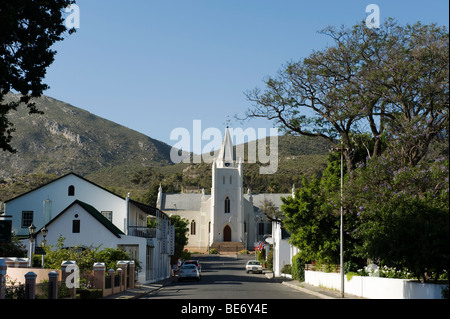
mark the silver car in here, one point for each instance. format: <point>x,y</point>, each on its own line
<point>188,271</point>
<point>254,266</point>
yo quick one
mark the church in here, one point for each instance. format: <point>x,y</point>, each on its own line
<point>228,219</point>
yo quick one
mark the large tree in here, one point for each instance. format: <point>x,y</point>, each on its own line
<point>28,29</point>
<point>389,81</point>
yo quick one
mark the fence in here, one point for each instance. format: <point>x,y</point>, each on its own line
<point>67,280</point>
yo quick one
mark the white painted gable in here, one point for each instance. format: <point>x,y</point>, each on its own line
<point>58,192</point>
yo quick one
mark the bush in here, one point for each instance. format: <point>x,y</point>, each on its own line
<point>287,269</point>
<point>213,251</point>
<point>298,268</point>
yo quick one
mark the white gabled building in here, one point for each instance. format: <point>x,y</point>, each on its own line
<point>87,214</point>
<point>229,217</point>
<point>283,251</point>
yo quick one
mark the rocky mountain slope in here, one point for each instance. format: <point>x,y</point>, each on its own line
<point>66,138</point>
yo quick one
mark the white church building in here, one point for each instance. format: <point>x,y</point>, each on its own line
<point>228,219</point>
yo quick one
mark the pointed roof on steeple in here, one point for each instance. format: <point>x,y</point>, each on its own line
<point>226,153</point>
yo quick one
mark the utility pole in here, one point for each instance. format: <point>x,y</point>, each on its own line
<point>342,225</point>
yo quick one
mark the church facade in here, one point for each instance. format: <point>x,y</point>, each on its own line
<point>229,216</point>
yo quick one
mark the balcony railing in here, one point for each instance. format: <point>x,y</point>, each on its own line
<point>142,231</point>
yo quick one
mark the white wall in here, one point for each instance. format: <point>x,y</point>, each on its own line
<point>57,191</point>
<point>282,250</point>
<point>375,287</point>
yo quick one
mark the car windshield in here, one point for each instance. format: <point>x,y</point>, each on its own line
<point>254,263</point>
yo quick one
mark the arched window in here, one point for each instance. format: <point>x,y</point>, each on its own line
<point>71,190</point>
<point>193,227</point>
<point>227,205</point>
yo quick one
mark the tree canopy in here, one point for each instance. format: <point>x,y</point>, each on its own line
<point>28,30</point>
<point>391,81</point>
<point>382,96</point>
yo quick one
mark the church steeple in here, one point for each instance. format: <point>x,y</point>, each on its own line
<point>226,156</point>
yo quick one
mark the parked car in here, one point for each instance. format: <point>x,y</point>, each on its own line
<point>193,262</point>
<point>188,271</point>
<point>254,266</point>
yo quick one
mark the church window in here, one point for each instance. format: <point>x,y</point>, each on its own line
<point>231,179</point>
<point>71,190</point>
<point>227,205</point>
<point>193,227</point>
<point>223,179</point>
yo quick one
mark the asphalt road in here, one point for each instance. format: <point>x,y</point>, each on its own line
<point>224,277</point>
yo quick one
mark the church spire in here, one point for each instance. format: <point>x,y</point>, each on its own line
<point>226,154</point>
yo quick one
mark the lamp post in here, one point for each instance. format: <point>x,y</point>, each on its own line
<point>32,231</point>
<point>44,234</point>
<point>342,226</point>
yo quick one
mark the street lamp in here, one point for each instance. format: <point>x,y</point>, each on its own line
<point>32,231</point>
<point>341,227</point>
<point>44,234</point>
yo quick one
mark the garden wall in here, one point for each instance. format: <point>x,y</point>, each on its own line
<point>375,287</point>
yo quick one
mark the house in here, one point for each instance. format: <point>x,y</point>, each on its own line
<point>283,251</point>
<point>87,214</point>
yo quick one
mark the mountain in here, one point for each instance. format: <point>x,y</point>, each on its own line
<point>69,139</point>
<point>66,138</point>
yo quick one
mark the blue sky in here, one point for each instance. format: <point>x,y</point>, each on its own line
<point>154,66</point>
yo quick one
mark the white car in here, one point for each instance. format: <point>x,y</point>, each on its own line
<point>188,271</point>
<point>254,266</point>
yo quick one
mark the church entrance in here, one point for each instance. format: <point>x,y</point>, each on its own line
<point>227,233</point>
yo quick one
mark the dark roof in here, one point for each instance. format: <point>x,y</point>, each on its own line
<point>145,208</point>
<point>94,213</point>
<point>81,177</point>
<point>148,209</point>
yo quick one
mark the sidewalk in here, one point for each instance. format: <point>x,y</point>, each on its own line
<point>140,290</point>
<point>323,293</point>
<point>320,292</point>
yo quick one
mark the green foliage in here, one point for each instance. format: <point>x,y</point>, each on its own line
<point>287,269</point>
<point>181,234</point>
<point>401,214</point>
<point>29,30</point>
<point>261,255</point>
<point>85,257</point>
<point>312,222</point>
<point>298,267</point>
<point>269,262</point>
<point>12,249</point>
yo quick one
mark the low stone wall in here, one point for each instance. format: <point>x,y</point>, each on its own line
<point>376,287</point>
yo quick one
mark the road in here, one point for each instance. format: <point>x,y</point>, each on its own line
<point>224,277</point>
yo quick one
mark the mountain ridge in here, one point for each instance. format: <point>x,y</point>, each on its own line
<point>69,139</point>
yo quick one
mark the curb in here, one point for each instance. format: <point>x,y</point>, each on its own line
<point>308,291</point>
